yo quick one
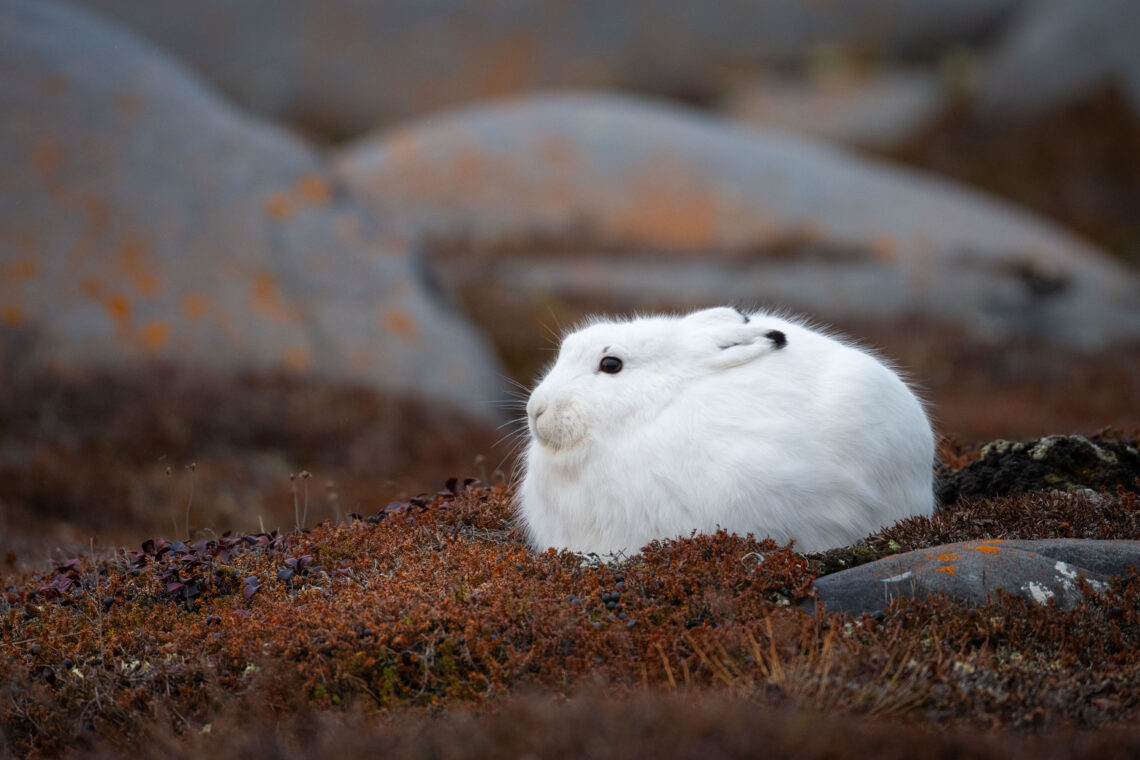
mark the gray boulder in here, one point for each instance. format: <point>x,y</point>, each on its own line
<point>651,203</point>
<point>1044,571</point>
<point>1060,51</point>
<point>142,219</point>
<point>346,66</point>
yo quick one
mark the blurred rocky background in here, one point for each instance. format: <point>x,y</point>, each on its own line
<point>280,261</point>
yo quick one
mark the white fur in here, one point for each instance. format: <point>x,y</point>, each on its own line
<point>710,424</point>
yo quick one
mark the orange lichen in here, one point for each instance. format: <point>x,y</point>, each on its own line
<point>884,248</point>
<point>133,261</point>
<point>119,308</point>
<point>266,300</point>
<point>11,316</point>
<point>948,570</point>
<point>314,189</point>
<point>20,269</point>
<point>948,557</point>
<point>154,335</point>
<point>404,146</point>
<point>987,549</point>
<point>400,323</point>
<point>472,170</point>
<point>195,305</point>
<point>278,207</point>
<point>47,155</point>
<point>667,206</point>
<point>298,359</point>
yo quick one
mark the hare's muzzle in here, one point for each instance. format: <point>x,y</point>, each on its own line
<point>554,424</point>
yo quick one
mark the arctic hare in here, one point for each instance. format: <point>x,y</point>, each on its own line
<point>655,427</point>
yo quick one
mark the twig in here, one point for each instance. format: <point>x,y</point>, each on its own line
<point>718,669</point>
<point>665,662</point>
<point>193,468</point>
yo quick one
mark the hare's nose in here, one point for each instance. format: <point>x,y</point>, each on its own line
<point>537,410</point>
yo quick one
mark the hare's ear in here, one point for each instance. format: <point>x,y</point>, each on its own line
<point>732,345</point>
<point>718,315</point>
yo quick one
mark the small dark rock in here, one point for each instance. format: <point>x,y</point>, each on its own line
<point>1056,462</point>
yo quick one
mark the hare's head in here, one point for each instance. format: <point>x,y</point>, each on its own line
<point>611,376</point>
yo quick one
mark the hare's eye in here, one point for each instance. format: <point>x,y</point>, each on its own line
<point>611,365</point>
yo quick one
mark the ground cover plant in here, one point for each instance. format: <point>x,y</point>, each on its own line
<point>409,621</point>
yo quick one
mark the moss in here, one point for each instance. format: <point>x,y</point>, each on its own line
<point>844,557</point>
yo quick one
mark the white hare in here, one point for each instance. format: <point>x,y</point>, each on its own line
<point>656,427</point>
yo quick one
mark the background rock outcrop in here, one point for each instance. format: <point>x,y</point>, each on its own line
<point>344,66</point>
<point>1059,52</point>
<point>622,201</point>
<point>144,220</point>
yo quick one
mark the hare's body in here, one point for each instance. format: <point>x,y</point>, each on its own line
<point>753,424</point>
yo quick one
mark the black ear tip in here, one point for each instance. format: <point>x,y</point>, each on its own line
<point>777,338</point>
<point>740,311</point>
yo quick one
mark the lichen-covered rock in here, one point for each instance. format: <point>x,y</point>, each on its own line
<point>1044,571</point>
<point>647,203</point>
<point>1060,51</point>
<point>344,66</point>
<point>143,219</point>
<point>1060,462</point>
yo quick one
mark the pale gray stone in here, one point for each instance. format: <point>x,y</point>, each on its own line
<point>672,206</point>
<point>143,219</point>
<point>1044,571</point>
